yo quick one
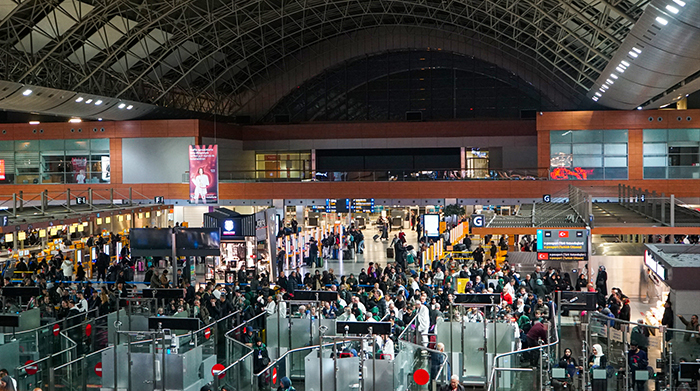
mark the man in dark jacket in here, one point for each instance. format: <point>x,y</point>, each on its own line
<point>101,264</point>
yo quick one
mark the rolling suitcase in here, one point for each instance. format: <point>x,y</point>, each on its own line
<point>390,252</point>
<point>375,237</point>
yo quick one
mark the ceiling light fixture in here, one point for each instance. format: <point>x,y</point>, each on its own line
<point>99,119</point>
<point>639,107</point>
<point>601,89</point>
<point>661,21</point>
<point>672,9</point>
<point>34,122</point>
<point>80,99</point>
<point>638,51</point>
<point>614,76</point>
<point>633,54</point>
<point>98,102</point>
<point>609,82</point>
<point>75,120</point>
<point>625,63</point>
<point>27,92</point>
<point>620,70</point>
<point>595,98</point>
<point>598,93</point>
<point>680,2</point>
<point>129,107</point>
<point>604,86</point>
<point>87,102</point>
<point>122,105</point>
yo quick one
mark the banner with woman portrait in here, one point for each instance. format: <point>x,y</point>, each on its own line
<point>204,174</point>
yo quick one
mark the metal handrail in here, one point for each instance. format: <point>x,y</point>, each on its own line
<point>272,364</point>
<point>84,356</point>
<point>492,376</point>
<point>48,325</point>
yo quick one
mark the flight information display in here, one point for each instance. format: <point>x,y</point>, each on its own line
<point>363,205</point>
<point>340,205</point>
<point>562,244</point>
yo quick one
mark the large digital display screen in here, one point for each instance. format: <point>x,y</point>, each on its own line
<point>204,174</point>
<point>198,241</point>
<point>654,265</point>
<point>431,224</point>
<point>150,241</point>
<point>231,227</point>
<point>562,244</point>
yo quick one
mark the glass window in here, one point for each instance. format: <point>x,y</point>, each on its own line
<point>684,135</point>
<point>588,161</point>
<point>77,145</point>
<point>651,135</point>
<point>654,172</point>
<point>556,149</point>
<point>587,136</point>
<point>99,144</point>
<point>52,145</point>
<point>25,145</point>
<point>615,162</point>
<point>616,149</point>
<point>615,136</point>
<point>588,149</point>
<point>659,161</point>
<point>654,149</point>
<point>615,173</point>
<point>7,146</point>
<point>560,136</point>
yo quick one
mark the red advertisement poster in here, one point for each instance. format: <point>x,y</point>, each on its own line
<point>2,169</point>
<point>204,174</point>
<point>79,165</point>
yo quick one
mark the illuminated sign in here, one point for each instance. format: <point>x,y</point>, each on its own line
<point>562,245</point>
<point>478,221</point>
<point>566,173</point>
<point>654,265</point>
<point>341,205</point>
<point>2,169</point>
<point>431,224</point>
<point>229,227</point>
<point>363,205</point>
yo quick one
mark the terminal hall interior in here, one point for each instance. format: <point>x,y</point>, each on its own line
<point>327,195</point>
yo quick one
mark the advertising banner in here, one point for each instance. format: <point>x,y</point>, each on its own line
<point>562,244</point>
<point>2,169</point>
<point>79,166</point>
<point>204,174</point>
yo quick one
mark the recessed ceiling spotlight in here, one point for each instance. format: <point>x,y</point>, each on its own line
<point>80,99</point>
<point>88,101</point>
<point>680,2</point>
<point>639,107</point>
<point>672,9</point>
<point>75,120</point>
<point>34,122</point>
<point>620,70</point>
<point>99,119</point>
<point>27,92</point>
<point>614,76</point>
<point>129,107</point>
<point>604,86</point>
<point>98,102</point>
<point>638,51</point>
<point>122,105</point>
<point>633,54</point>
<point>661,21</point>
<point>598,93</point>
<point>625,63</point>
<point>609,81</point>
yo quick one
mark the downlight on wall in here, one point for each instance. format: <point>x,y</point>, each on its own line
<point>75,120</point>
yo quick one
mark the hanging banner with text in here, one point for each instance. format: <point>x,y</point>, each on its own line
<point>204,174</point>
<point>562,245</point>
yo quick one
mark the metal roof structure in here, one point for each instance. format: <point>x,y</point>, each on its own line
<point>241,57</point>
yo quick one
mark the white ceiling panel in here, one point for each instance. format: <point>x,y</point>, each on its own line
<point>103,38</point>
<point>183,52</point>
<point>7,6</point>
<point>54,25</point>
<point>141,50</point>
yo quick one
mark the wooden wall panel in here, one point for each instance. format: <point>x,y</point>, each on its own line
<point>638,119</point>
<point>635,149</point>
<point>115,160</point>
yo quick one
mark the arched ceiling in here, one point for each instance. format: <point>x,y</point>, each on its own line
<point>210,56</point>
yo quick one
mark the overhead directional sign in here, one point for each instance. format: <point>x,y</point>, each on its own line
<point>479,221</point>
<point>562,244</point>
<point>547,198</point>
<point>80,200</point>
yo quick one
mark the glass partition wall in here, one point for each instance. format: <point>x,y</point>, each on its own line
<point>55,161</point>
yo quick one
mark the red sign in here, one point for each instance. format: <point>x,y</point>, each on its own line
<point>421,377</point>
<point>563,234</point>
<point>565,173</point>
<point>56,330</point>
<point>542,256</point>
<point>88,329</point>
<point>207,333</point>
<point>2,169</point>
<point>98,369</point>
<point>217,370</point>
<point>31,369</point>
<point>274,375</point>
